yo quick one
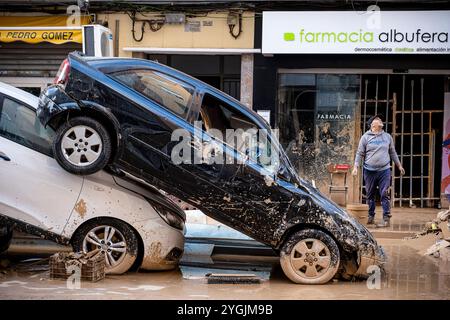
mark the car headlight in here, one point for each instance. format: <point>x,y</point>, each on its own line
<point>171,218</point>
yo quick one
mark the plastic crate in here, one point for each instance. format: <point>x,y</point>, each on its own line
<point>92,266</point>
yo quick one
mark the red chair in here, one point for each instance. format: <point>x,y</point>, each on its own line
<point>338,169</point>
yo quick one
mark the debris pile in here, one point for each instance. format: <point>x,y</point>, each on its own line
<point>87,266</point>
<point>440,227</point>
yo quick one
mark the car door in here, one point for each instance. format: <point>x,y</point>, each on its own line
<point>253,200</point>
<point>33,188</point>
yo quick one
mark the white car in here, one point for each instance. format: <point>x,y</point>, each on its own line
<point>132,223</point>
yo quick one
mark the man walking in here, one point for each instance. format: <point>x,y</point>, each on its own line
<point>377,149</point>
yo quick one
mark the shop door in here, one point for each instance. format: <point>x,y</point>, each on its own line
<point>412,106</point>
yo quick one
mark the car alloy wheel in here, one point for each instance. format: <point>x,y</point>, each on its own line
<point>81,145</point>
<point>113,238</point>
<point>109,241</point>
<point>310,257</point>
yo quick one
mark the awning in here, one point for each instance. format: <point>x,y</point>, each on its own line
<point>211,51</point>
<point>33,29</point>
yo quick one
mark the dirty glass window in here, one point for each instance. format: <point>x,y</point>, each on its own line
<point>159,87</point>
<point>20,124</point>
<point>316,117</point>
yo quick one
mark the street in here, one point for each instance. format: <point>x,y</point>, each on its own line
<point>410,275</point>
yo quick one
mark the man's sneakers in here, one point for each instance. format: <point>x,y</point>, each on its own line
<point>386,223</point>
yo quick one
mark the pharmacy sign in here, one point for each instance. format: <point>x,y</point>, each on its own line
<point>372,32</point>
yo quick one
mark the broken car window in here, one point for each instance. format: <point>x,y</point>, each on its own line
<point>159,87</point>
<point>235,129</point>
<point>20,124</point>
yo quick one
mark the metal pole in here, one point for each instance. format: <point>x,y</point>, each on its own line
<point>411,147</point>
<point>401,137</point>
<point>387,103</point>
<point>431,164</point>
<point>394,136</point>
<point>355,142</point>
<point>116,38</point>
<point>421,142</point>
<point>431,152</point>
<point>376,97</point>
<point>366,83</point>
<point>365,102</point>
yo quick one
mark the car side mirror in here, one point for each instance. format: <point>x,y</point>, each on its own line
<point>283,172</point>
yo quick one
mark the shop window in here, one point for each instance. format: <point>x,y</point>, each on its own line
<point>20,124</point>
<point>316,120</point>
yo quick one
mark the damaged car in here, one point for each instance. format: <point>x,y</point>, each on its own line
<point>151,121</point>
<point>132,224</point>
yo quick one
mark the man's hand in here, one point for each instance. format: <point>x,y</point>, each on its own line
<point>355,171</point>
<point>402,170</point>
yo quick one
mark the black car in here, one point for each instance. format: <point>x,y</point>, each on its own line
<point>131,114</point>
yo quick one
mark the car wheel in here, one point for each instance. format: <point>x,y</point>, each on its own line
<point>5,238</point>
<point>82,146</point>
<point>112,238</point>
<point>310,257</point>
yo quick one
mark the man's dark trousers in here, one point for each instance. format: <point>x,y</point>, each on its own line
<point>382,180</point>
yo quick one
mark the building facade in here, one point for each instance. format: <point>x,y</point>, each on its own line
<point>316,72</point>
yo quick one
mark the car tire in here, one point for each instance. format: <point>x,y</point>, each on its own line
<point>82,146</point>
<point>5,238</point>
<point>310,257</point>
<point>121,249</point>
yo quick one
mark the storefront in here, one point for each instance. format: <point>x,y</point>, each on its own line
<point>322,81</point>
<point>33,47</point>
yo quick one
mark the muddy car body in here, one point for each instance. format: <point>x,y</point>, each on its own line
<point>133,224</point>
<point>140,104</point>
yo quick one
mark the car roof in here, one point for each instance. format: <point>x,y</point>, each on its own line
<point>116,64</point>
<point>19,94</point>
<point>112,64</point>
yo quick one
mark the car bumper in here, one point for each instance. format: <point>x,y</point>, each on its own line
<point>48,108</point>
<point>163,249</point>
<point>368,263</point>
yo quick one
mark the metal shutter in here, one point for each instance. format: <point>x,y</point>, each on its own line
<point>19,59</point>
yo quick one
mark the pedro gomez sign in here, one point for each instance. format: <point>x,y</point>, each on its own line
<point>372,32</point>
<point>56,36</point>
